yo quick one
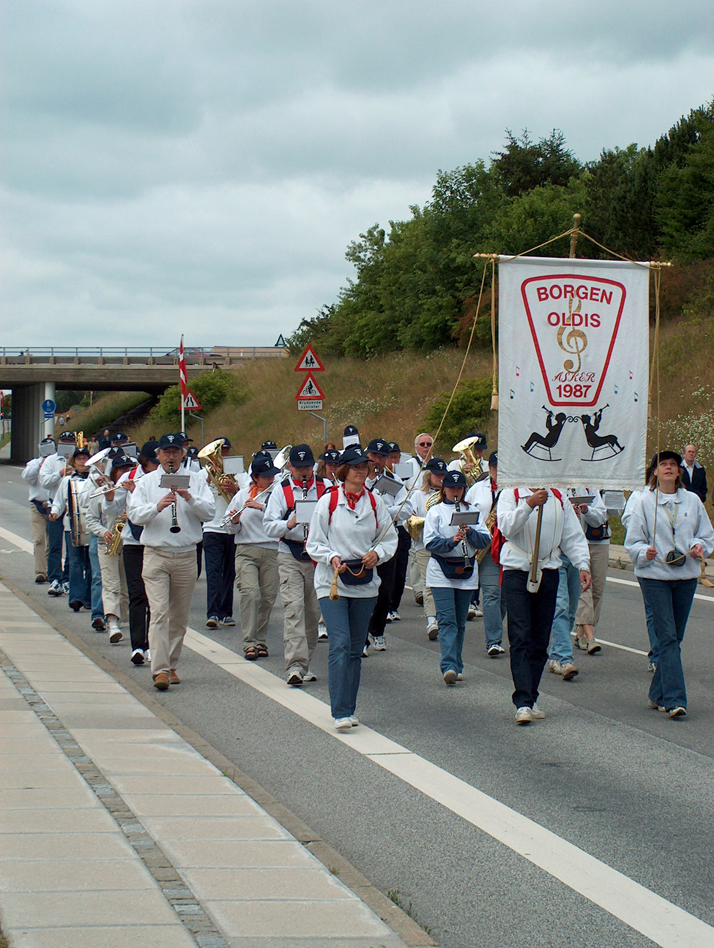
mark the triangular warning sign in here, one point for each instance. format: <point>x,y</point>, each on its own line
<point>190,401</point>
<point>309,361</point>
<point>310,389</point>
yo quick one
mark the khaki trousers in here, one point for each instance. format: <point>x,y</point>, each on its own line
<point>591,600</point>
<point>169,580</point>
<point>39,539</point>
<point>115,593</point>
<point>422,558</point>
<point>301,609</point>
<point>257,579</point>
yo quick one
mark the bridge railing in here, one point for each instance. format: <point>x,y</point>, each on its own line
<point>148,355</point>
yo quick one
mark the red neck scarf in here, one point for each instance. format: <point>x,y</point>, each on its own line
<point>308,484</point>
<point>352,498</point>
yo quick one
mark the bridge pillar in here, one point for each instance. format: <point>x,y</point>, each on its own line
<point>27,421</point>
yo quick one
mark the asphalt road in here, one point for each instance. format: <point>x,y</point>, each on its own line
<point>624,784</point>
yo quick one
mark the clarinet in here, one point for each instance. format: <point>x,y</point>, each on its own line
<point>305,526</point>
<point>174,528</point>
<point>464,546</point>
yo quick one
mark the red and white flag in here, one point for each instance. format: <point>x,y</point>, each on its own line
<point>182,371</point>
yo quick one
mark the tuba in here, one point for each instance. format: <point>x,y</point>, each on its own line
<point>212,461</point>
<point>281,458</point>
<point>465,449</point>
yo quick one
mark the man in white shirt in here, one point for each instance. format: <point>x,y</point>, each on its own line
<point>172,522</point>
<point>55,467</point>
<point>39,508</point>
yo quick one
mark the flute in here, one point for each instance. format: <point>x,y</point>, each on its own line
<point>234,513</point>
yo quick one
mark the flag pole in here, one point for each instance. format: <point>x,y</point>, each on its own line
<point>182,384</point>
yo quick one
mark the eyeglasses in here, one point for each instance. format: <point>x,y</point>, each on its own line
<point>425,444</point>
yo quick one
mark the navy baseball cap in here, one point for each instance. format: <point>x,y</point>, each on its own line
<point>182,436</point>
<point>437,465</point>
<point>268,446</point>
<point>378,446</point>
<point>332,456</point>
<point>170,441</point>
<point>226,443</point>
<point>301,456</point>
<point>264,467</point>
<point>480,444</point>
<point>66,437</point>
<point>121,460</point>
<point>666,456</point>
<point>394,448</point>
<point>354,454</point>
<point>81,451</point>
<point>148,450</point>
<point>454,479</point>
<point>119,438</point>
<point>493,459</point>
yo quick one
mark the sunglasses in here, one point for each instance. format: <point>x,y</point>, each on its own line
<point>425,444</point>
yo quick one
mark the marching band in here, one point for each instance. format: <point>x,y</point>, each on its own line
<point>124,536</point>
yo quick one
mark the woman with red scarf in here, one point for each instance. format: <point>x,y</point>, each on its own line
<point>350,534</point>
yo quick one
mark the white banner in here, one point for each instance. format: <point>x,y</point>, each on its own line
<point>573,372</point>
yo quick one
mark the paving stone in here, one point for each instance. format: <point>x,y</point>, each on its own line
<point>183,805</point>
<point>77,909</point>
<point>89,845</point>
<point>297,919</point>
<point>121,936</point>
<point>82,820</point>
<point>52,875</point>
<point>265,884</point>
<point>217,827</point>
<point>236,854</point>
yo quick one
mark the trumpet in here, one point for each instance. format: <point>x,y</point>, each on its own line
<point>233,513</point>
<point>174,528</point>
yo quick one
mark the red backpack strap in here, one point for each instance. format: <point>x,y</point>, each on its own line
<point>289,494</point>
<point>334,497</point>
<point>558,495</point>
<point>374,507</point>
<point>320,487</point>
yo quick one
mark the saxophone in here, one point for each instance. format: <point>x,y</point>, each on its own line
<point>115,543</point>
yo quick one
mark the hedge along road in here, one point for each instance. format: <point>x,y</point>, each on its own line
<point>495,835</point>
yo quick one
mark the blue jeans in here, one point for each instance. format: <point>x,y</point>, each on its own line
<point>566,605</point>
<point>452,608</point>
<point>347,621</point>
<point>80,575</point>
<point>653,653</point>
<point>494,605</point>
<point>670,602</point>
<point>56,538</point>
<point>97,604</point>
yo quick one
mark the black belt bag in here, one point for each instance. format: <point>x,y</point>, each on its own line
<point>41,507</point>
<point>297,549</point>
<point>597,533</point>
<point>356,574</point>
<point>455,568</point>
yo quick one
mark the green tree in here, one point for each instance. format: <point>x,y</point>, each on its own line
<point>469,411</point>
<point>212,389</point>
<point>524,165</point>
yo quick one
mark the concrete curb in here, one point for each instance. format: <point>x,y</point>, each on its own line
<point>393,916</point>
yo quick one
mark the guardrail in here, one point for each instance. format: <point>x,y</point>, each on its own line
<point>149,355</point>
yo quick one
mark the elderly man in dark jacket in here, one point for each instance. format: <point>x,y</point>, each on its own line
<point>694,476</point>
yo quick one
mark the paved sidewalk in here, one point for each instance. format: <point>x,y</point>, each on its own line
<point>115,832</point>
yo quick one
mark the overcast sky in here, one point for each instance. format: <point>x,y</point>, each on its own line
<point>200,166</point>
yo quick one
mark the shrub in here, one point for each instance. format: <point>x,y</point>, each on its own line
<point>211,388</point>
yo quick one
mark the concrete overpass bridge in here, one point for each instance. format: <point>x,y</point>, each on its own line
<point>35,374</point>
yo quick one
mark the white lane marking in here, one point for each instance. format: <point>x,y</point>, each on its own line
<point>661,921</point>
<point>643,910</point>
<point>629,582</point>
<point>20,542</point>
<point>624,648</point>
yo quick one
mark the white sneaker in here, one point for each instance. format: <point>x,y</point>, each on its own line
<point>459,677</point>
<point>295,679</point>
<point>471,614</point>
<point>147,654</point>
<point>353,719</point>
<point>365,652</point>
<point>389,617</point>
<point>568,670</point>
<point>678,712</point>
<point>495,650</point>
<point>65,588</point>
<point>536,712</point>
<point>524,715</point>
<point>309,676</point>
<point>115,633</point>
<point>137,656</point>
<point>555,666</point>
<point>55,589</point>
<point>395,616</point>
<point>379,644</point>
<point>343,724</point>
<point>432,628</point>
<point>321,631</point>
<point>450,676</point>
<point>479,612</point>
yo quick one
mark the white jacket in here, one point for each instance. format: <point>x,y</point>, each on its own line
<point>560,530</point>
<point>350,534</point>
<point>682,522</point>
<point>50,475</point>
<point>250,529</point>
<point>143,511</point>
<point>393,503</point>
<point>275,518</point>
<point>32,475</point>
<point>438,534</point>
